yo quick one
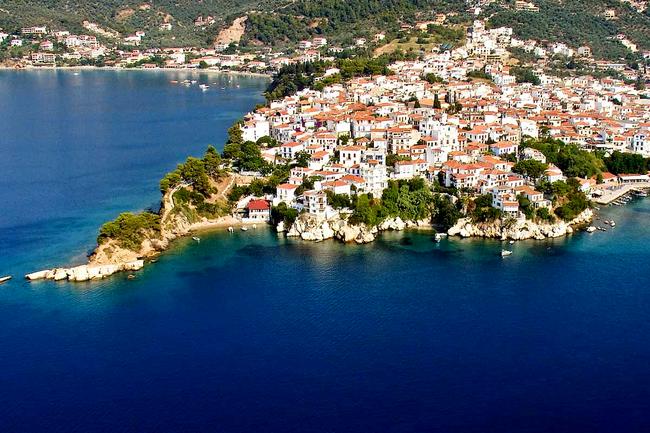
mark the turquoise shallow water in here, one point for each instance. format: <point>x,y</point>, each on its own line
<point>252,332</point>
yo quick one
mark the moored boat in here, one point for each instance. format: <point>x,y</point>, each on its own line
<point>5,279</point>
<point>506,253</point>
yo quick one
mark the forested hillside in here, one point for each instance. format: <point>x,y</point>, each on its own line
<point>342,20</point>
<point>284,22</point>
<point>577,22</point>
<point>127,16</point>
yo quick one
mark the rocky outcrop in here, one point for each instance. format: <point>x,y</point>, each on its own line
<point>85,272</point>
<point>110,258</point>
<point>518,229</point>
<point>312,228</point>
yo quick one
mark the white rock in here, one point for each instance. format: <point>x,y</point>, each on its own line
<point>40,275</point>
<point>60,274</point>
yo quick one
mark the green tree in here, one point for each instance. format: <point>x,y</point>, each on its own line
<point>212,162</point>
<point>531,168</point>
<point>436,102</point>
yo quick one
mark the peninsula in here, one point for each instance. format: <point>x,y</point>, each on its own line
<point>449,139</point>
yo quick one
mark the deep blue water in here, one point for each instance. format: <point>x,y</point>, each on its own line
<point>251,332</point>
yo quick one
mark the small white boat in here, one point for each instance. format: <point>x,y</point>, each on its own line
<point>196,238</point>
<point>511,242</point>
<point>506,253</point>
<point>5,279</point>
<point>591,229</point>
<point>174,81</point>
<point>641,194</point>
<point>204,87</point>
<point>612,224</point>
<point>244,229</point>
<point>230,229</point>
<point>193,81</point>
<point>437,237</point>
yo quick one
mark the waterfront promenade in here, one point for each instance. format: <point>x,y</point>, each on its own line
<point>612,194</point>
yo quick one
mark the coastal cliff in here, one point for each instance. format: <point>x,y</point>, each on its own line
<point>313,228</point>
<point>518,229</point>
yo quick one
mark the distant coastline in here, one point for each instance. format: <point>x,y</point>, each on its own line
<point>119,69</point>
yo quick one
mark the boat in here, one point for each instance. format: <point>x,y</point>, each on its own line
<point>5,279</point>
<point>174,81</point>
<point>437,237</point>
<point>591,229</point>
<point>131,277</point>
<point>230,229</point>
<point>612,224</point>
<point>641,194</point>
<point>506,253</point>
<point>193,81</point>
<point>196,238</point>
<point>511,242</point>
<point>204,87</point>
<point>244,229</point>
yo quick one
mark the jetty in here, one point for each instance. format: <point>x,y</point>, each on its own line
<point>611,195</point>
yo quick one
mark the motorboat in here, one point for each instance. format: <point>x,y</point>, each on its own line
<point>196,238</point>
<point>506,253</point>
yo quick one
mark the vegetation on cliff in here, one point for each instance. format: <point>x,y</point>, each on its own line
<point>129,230</point>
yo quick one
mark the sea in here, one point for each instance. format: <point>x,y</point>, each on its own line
<point>254,332</point>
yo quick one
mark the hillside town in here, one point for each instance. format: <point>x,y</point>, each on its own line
<point>453,116</point>
<point>459,133</point>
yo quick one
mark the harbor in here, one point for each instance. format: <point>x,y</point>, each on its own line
<point>618,195</point>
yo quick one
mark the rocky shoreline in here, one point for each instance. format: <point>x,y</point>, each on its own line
<point>518,230</point>
<point>312,228</point>
<point>109,258</point>
<point>85,272</point>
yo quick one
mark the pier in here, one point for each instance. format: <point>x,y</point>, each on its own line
<point>613,194</point>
